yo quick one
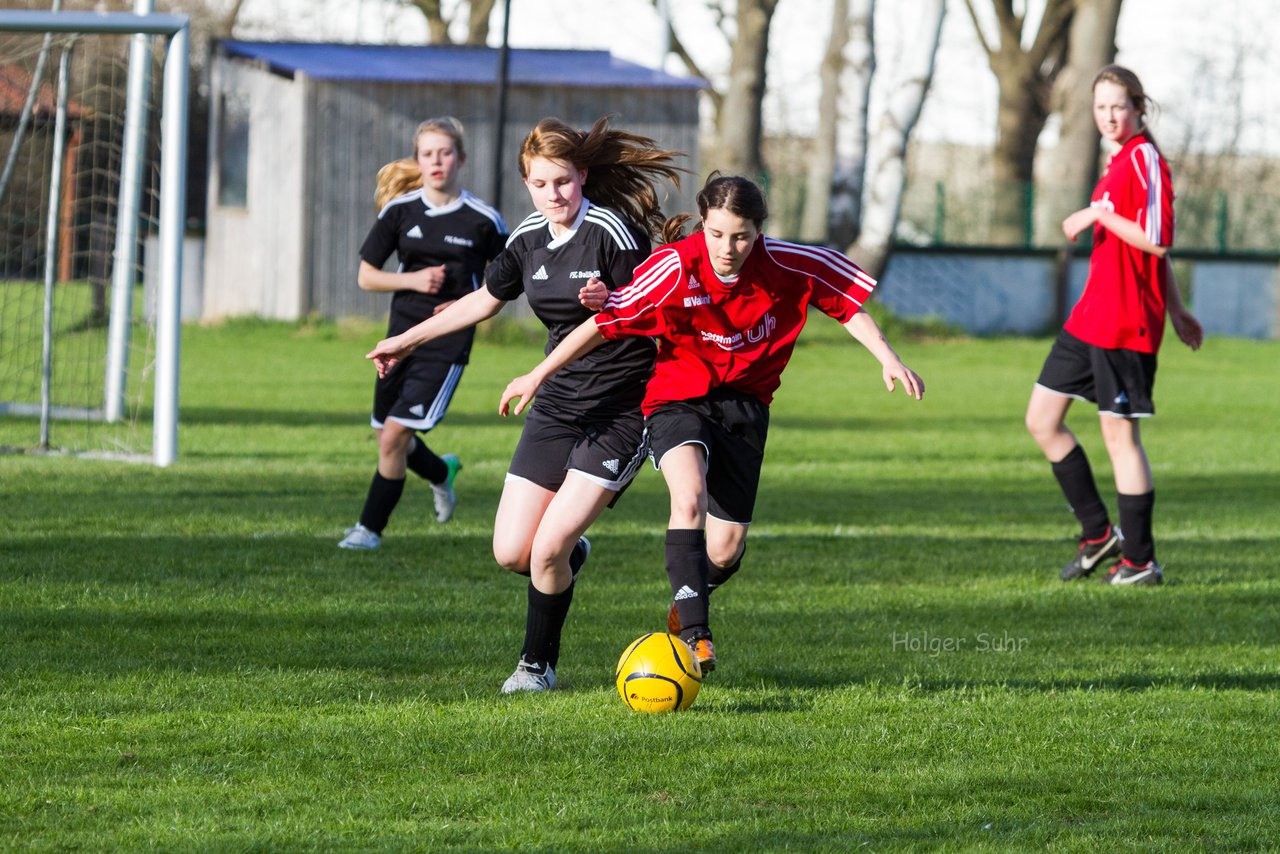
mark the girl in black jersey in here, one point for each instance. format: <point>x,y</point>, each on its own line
<point>442,236</point>
<point>583,440</point>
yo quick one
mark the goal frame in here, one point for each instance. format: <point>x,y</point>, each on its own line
<point>173,193</point>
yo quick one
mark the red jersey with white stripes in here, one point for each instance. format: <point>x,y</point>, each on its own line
<point>1123,304</point>
<point>737,334</point>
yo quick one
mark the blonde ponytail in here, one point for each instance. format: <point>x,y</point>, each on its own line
<point>395,179</point>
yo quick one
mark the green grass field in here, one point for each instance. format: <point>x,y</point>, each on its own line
<point>188,662</point>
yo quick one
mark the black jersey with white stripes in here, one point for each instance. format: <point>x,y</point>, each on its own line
<point>462,235</point>
<point>550,271</point>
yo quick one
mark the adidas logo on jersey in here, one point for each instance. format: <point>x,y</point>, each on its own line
<point>700,299</point>
<point>611,465</point>
<point>686,592</point>
<point>694,284</point>
<point>541,275</point>
<point>413,232</point>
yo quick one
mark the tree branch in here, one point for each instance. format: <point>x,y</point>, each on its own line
<point>437,26</point>
<point>1010,21</point>
<point>1054,27</point>
<point>678,48</point>
<point>478,27</point>
<point>227,22</point>
<point>977,28</point>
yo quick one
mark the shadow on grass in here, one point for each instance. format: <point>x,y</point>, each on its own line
<point>787,630</point>
<point>195,416</point>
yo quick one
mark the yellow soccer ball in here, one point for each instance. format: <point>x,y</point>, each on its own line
<point>658,673</point>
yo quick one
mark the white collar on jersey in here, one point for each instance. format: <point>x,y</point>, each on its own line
<point>573,229</point>
<point>439,210</point>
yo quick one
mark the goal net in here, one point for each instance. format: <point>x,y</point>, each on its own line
<point>82,308</point>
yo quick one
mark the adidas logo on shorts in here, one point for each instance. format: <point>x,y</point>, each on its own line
<point>611,465</point>
<point>686,592</point>
<point>541,275</point>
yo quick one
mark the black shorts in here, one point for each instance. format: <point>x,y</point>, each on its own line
<point>1120,382</point>
<point>608,451</point>
<point>416,393</point>
<point>732,428</point>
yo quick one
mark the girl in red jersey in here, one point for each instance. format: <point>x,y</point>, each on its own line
<point>726,306</point>
<point>1106,352</point>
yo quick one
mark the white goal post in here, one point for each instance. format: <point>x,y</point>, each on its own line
<point>172,203</point>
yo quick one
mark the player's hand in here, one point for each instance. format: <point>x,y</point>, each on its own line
<point>593,294</point>
<point>387,353</point>
<point>1189,330</point>
<point>912,384</point>
<point>524,388</point>
<point>1078,222</point>
<point>428,280</point>
<point>442,306</point>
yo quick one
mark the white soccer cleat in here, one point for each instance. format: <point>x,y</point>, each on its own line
<point>530,677</point>
<point>360,537</point>
<point>445,498</point>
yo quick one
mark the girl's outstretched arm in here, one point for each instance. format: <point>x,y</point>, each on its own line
<point>576,344</point>
<point>866,331</point>
<point>462,313</point>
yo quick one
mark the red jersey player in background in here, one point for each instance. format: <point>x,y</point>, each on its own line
<point>1106,352</point>
<point>726,306</point>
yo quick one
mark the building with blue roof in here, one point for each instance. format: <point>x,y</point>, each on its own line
<point>298,132</point>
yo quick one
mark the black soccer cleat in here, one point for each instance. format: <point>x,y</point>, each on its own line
<point>1093,552</point>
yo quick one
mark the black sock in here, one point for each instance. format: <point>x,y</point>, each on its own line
<point>383,497</point>
<point>1135,520</point>
<point>687,572</point>
<point>423,462</point>
<point>544,622</point>
<point>717,575</point>
<point>1075,476</point>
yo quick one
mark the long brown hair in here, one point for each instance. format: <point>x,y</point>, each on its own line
<point>1129,82</point>
<point>401,176</point>
<point>622,168</point>
<point>739,196</point>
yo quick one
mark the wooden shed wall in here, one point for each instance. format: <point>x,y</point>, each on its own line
<point>357,127</point>
<point>254,255</point>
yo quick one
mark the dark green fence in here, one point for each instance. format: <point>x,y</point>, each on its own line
<point>1213,221</point>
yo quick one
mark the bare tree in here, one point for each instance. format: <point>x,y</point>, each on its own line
<point>225,23</point>
<point>1025,77</point>
<point>438,23</point>
<point>740,126</point>
<point>738,109</point>
<point>815,219</point>
<point>833,201</point>
<point>682,53</point>
<point>1065,174</point>
<point>887,172</point>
